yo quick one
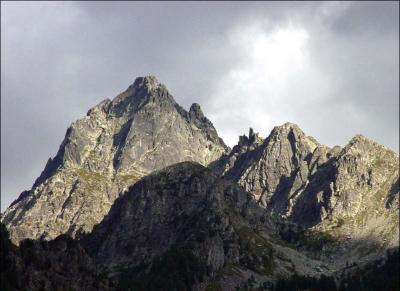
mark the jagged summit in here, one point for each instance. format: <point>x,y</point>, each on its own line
<point>292,131</point>
<point>252,138</point>
<point>195,111</point>
<point>150,85</point>
<point>293,176</point>
<point>149,81</point>
<point>288,126</point>
<point>154,195</point>
<point>360,140</point>
<point>140,131</point>
<point>144,90</point>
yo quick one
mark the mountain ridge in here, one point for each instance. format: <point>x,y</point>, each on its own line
<point>141,130</point>
<point>140,184</point>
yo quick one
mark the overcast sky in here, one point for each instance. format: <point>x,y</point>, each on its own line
<point>330,67</point>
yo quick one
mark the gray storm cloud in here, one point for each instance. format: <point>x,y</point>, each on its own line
<point>331,67</point>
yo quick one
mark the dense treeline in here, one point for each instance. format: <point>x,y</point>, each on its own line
<point>382,275</point>
<point>177,269</point>
<point>8,274</point>
<point>61,264</point>
<point>297,283</point>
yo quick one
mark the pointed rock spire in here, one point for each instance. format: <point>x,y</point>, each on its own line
<point>195,111</point>
<point>149,82</point>
<point>141,130</point>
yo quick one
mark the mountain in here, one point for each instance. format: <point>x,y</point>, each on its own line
<point>180,228</point>
<point>185,228</point>
<point>185,221</point>
<point>350,194</point>
<point>143,195</point>
<point>141,130</point>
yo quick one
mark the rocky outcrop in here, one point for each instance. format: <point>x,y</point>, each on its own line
<point>179,213</point>
<point>359,178</point>
<point>272,168</point>
<point>141,130</point>
<point>299,180</point>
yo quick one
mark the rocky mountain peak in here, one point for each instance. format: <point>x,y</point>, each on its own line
<point>361,142</point>
<point>144,90</point>
<point>286,129</point>
<point>364,152</point>
<point>148,83</point>
<point>195,111</point>
<point>140,131</point>
<point>253,138</point>
<point>292,134</point>
<point>152,195</point>
<point>296,178</point>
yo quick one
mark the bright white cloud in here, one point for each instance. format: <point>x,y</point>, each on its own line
<point>262,87</point>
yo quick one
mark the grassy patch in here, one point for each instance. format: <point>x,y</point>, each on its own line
<point>129,177</point>
<point>316,240</point>
<point>86,175</point>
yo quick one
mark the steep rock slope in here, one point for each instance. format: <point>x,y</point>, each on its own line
<point>185,227</point>
<point>141,130</point>
<point>351,192</point>
<point>273,168</point>
<point>179,228</point>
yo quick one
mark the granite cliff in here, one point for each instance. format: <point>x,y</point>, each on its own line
<point>349,194</point>
<point>141,130</point>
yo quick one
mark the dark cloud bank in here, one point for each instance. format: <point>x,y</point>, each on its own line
<point>331,67</point>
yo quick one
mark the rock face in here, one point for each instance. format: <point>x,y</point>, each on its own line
<point>183,213</point>
<point>299,180</point>
<point>141,130</point>
<point>155,201</point>
<point>273,168</point>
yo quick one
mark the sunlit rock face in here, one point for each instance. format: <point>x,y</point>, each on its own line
<point>141,130</point>
<point>299,180</point>
<point>273,168</point>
